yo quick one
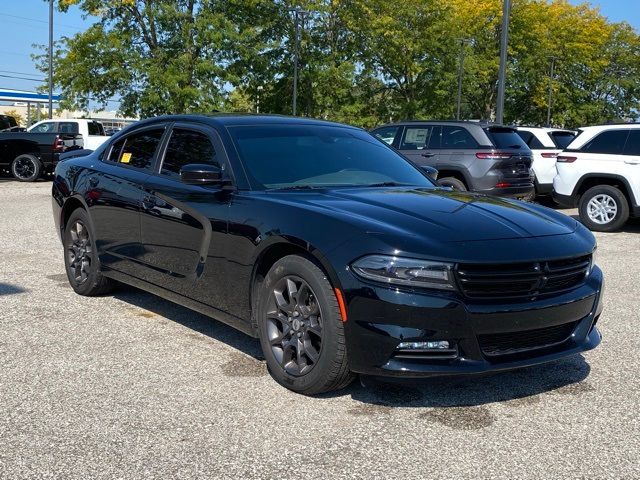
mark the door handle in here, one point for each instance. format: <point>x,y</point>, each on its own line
<point>632,162</point>
<point>93,181</point>
<point>428,155</point>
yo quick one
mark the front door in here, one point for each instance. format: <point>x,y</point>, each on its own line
<point>183,226</point>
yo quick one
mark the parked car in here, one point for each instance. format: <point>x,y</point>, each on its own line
<point>471,156</point>
<point>337,252</point>
<point>599,172</point>
<point>9,124</point>
<point>545,144</point>
<point>29,155</point>
<point>92,132</point>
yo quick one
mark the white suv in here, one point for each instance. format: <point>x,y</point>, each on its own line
<point>545,144</point>
<point>599,172</point>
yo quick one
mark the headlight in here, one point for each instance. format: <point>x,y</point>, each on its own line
<point>405,271</point>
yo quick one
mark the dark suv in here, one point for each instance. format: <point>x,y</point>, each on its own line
<point>472,156</point>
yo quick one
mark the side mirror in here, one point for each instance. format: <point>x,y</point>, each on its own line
<point>431,172</point>
<point>200,174</point>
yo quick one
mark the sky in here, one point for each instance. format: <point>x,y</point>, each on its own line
<point>24,23</point>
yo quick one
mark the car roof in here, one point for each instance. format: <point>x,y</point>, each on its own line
<point>459,123</point>
<point>588,133</point>
<point>237,119</point>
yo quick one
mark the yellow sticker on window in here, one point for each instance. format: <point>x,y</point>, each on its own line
<point>126,158</point>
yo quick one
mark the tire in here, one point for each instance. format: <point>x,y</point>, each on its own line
<point>26,168</point>
<point>609,198</point>
<point>457,185</point>
<point>302,340</point>
<point>80,257</point>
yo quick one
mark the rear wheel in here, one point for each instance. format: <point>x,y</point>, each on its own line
<point>81,259</point>
<point>603,208</point>
<point>452,182</point>
<point>301,330</point>
<point>26,168</point>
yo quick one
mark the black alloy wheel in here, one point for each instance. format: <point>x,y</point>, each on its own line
<point>81,259</point>
<point>301,328</point>
<point>79,253</point>
<point>294,325</point>
<point>26,168</point>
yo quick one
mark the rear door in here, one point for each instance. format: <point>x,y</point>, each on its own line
<point>631,153</point>
<point>417,143</point>
<point>114,196</point>
<point>182,225</point>
<point>457,148</point>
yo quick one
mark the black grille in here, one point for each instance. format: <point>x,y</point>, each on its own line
<point>518,342</point>
<point>517,280</point>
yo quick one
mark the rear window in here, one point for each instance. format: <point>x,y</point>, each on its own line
<point>505,138</point>
<point>95,128</point>
<point>530,139</point>
<point>562,139</point>
<point>610,142</point>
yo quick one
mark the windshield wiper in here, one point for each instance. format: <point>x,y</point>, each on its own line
<point>388,184</point>
<point>296,187</point>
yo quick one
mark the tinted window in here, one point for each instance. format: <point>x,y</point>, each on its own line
<point>416,138</point>
<point>187,146</point>
<point>562,139</point>
<point>633,143</point>
<point>7,122</point>
<point>386,134</point>
<point>505,138</point>
<point>116,149</point>
<point>456,137</point>
<point>530,139</point>
<point>296,156</point>
<point>47,127</point>
<point>95,128</point>
<point>610,142</point>
<point>68,127</point>
<point>138,149</point>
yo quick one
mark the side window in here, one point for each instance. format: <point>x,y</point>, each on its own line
<point>416,138</point>
<point>633,143</point>
<point>386,134</point>
<point>456,137</point>
<point>185,147</point>
<point>138,149</point>
<point>95,128</point>
<point>610,142</point>
<point>47,127</point>
<point>68,127</point>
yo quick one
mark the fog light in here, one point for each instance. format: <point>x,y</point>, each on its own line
<point>437,345</point>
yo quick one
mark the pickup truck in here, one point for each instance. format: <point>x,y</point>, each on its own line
<point>92,132</point>
<point>29,155</point>
<point>9,124</point>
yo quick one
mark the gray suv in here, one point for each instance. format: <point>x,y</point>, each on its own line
<point>474,156</point>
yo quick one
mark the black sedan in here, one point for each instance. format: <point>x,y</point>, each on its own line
<point>337,252</point>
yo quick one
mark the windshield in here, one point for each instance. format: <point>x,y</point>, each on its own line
<point>312,156</point>
<point>505,138</point>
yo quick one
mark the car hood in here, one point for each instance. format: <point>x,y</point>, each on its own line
<point>446,215</point>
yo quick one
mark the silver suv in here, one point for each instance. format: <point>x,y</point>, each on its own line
<point>473,156</point>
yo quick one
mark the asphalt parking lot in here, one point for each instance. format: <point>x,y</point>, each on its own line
<point>132,386</point>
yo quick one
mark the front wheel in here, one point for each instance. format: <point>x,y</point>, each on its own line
<point>603,208</point>
<point>26,168</point>
<point>301,330</point>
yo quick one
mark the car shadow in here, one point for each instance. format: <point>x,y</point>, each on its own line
<point>374,396</point>
<point>9,289</point>
<point>195,321</point>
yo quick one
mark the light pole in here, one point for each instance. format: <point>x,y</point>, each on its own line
<point>299,16</point>
<point>551,73</point>
<point>460,74</point>
<point>502,73</point>
<point>50,59</point>
<point>259,90</point>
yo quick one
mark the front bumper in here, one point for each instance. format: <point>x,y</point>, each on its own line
<point>381,318</point>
